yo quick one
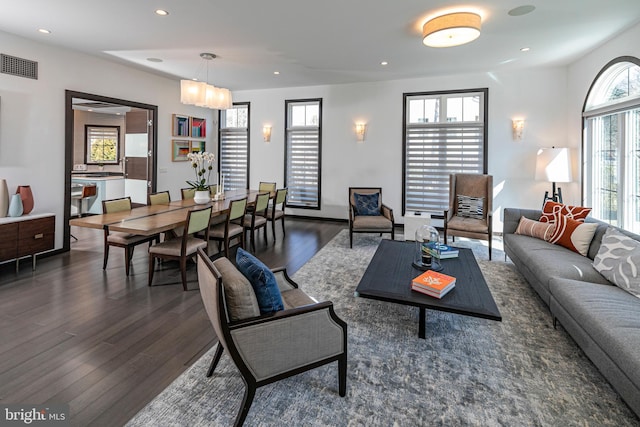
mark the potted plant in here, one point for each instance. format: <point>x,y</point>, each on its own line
<point>202,164</point>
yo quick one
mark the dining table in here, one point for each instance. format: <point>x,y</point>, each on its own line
<point>153,219</point>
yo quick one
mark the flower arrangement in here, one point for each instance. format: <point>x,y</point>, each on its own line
<point>202,164</point>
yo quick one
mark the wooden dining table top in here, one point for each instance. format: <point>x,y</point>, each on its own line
<point>154,219</point>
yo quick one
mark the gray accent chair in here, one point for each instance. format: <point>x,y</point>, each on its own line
<point>267,348</point>
<point>474,185</point>
<point>382,223</point>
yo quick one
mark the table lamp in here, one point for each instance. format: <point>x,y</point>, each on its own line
<point>554,165</point>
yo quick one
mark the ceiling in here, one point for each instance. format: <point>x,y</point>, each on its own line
<point>314,43</point>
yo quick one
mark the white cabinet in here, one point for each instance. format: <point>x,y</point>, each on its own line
<point>108,187</point>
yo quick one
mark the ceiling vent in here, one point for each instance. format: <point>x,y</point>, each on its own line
<point>19,67</point>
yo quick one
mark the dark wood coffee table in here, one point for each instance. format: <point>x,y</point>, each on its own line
<point>388,278</point>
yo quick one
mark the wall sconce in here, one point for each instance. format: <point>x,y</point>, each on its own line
<point>266,133</point>
<point>517,126</point>
<point>361,128</point>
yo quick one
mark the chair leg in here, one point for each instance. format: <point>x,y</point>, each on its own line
<point>249,393</point>
<point>152,265</point>
<point>266,242</point>
<point>183,272</point>
<point>490,239</point>
<point>351,239</point>
<point>127,259</point>
<point>215,360</point>
<point>273,228</point>
<point>106,257</point>
<point>342,375</point>
<point>283,232</point>
<point>393,233</point>
<point>253,240</point>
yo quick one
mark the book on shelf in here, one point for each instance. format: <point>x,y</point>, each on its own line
<point>445,252</point>
<point>433,283</point>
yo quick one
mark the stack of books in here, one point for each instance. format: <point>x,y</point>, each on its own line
<point>433,283</point>
<point>444,252</point>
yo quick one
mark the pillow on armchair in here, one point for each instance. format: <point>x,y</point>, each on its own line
<point>367,204</point>
<point>263,281</point>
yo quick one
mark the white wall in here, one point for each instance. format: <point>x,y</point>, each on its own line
<point>537,95</point>
<point>32,118</point>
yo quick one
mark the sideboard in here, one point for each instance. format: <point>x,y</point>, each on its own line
<point>27,235</point>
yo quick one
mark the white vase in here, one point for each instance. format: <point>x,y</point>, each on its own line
<point>4,198</point>
<point>202,197</point>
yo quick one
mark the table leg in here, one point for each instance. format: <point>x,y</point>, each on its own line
<point>422,319</point>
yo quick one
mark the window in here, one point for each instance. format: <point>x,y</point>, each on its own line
<point>102,144</point>
<point>233,149</point>
<point>611,145</point>
<point>302,163</point>
<point>444,132</point>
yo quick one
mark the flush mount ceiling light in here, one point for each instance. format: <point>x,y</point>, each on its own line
<point>202,94</point>
<point>453,29</point>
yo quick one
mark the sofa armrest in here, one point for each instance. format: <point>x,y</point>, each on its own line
<point>289,339</point>
<point>285,282</point>
<point>512,218</point>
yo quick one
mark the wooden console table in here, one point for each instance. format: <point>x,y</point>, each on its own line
<point>26,235</point>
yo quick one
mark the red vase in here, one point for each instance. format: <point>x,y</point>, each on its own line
<point>27,198</point>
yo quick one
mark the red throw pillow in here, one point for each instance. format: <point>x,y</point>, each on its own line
<point>550,207</point>
<point>573,234</point>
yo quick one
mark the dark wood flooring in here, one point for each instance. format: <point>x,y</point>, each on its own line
<point>107,344</point>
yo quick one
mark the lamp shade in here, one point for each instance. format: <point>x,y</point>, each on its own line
<point>553,165</point>
<point>192,92</point>
<point>452,29</point>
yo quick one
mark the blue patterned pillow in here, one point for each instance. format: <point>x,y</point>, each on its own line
<point>263,281</point>
<point>367,204</point>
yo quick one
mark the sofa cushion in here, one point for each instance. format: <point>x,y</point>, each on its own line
<point>263,281</point>
<point>539,230</point>
<point>618,260</point>
<point>468,224</point>
<point>470,207</point>
<point>550,207</point>
<point>372,223</point>
<point>238,292</point>
<point>367,204</point>
<point>293,298</point>
<point>572,234</point>
<point>609,315</point>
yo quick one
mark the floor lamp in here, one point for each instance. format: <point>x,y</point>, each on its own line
<point>553,165</point>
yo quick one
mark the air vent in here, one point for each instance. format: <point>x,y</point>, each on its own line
<point>19,67</point>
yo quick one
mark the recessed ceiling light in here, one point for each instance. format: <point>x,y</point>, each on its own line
<point>276,73</point>
<point>525,49</point>
<point>44,31</point>
<point>161,12</point>
<point>384,63</point>
<point>154,59</point>
<point>522,10</point>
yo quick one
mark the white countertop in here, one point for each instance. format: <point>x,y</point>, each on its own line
<point>29,216</point>
<point>95,178</point>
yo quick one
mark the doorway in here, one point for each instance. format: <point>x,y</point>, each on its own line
<point>128,167</point>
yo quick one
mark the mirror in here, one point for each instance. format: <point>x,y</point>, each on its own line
<point>110,152</point>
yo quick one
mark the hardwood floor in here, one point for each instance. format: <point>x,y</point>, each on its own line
<point>104,343</point>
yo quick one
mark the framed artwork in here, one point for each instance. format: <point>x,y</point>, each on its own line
<point>197,146</point>
<point>198,127</point>
<point>180,125</point>
<point>179,150</point>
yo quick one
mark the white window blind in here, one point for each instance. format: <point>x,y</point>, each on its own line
<point>302,166</point>
<point>444,134</point>
<point>234,147</point>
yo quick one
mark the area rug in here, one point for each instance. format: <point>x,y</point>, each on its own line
<point>468,371</point>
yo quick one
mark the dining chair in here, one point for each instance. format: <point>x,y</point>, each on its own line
<point>188,193</point>
<point>163,198</point>
<point>184,248</point>
<point>118,239</point>
<point>230,229</point>
<point>470,210</point>
<point>274,214</point>
<point>257,219</point>
<point>267,186</point>
<point>367,213</point>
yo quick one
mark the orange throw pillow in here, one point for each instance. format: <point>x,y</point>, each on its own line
<point>550,207</point>
<point>573,234</point>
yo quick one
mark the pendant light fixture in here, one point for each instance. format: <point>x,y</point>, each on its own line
<point>202,94</point>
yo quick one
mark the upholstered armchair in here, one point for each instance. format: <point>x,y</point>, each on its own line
<point>470,210</point>
<point>367,213</point>
<point>270,347</point>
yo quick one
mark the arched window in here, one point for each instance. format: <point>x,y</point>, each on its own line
<point>611,145</point>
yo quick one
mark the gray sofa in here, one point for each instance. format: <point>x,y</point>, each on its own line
<point>602,318</point>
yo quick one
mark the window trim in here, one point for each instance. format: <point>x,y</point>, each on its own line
<point>87,155</point>
<point>485,130</point>
<point>220,113</point>
<point>288,102</point>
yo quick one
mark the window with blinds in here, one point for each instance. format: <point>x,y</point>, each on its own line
<point>302,163</point>
<point>102,144</point>
<point>444,133</point>
<point>233,147</point>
